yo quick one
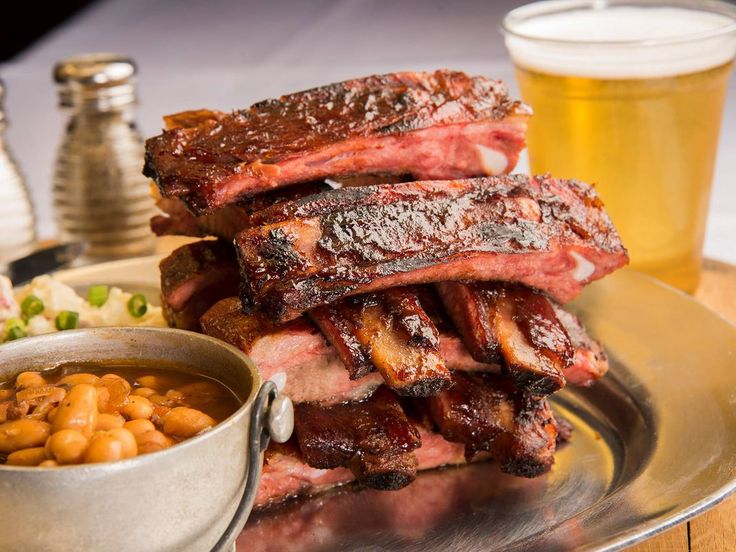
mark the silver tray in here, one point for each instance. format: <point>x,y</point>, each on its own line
<point>654,444</point>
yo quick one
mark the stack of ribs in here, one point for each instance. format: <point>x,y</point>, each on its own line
<point>367,248</point>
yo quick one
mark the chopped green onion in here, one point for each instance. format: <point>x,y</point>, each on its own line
<point>98,295</point>
<point>67,320</point>
<point>137,305</point>
<point>15,328</point>
<point>31,306</point>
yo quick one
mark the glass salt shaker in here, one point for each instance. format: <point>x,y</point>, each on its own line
<point>100,195</point>
<point>16,210</point>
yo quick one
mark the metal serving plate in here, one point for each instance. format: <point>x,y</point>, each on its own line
<point>654,444</point>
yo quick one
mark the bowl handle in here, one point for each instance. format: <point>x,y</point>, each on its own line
<point>272,417</point>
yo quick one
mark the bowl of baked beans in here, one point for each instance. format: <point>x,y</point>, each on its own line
<point>131,439</point>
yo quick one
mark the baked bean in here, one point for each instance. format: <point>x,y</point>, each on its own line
<point>67,446</point>
<point>106,421</point>
<point>89,418</point>
<point>140,426</point>
<point>153,441</point>
<point>128,440</point>
<point>23,433</point>
<point>186,422</point>
<point>200,390</point>
<point>82,377</point>
<point>107,446</point>
<point>78,410</point>
<point>137,408</point>
<point>156,382</point>
<point>27,457</point>
<point>104,448</point>
<point>29,379</point>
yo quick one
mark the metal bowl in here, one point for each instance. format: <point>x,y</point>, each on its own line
<point>195,495</point>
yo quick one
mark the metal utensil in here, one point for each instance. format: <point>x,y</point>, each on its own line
<point>191,497</point>
<point>42,261</point>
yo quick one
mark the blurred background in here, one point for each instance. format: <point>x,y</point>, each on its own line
<point>226,54</point>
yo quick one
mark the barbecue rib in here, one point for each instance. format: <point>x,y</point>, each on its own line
<point>193,278</point>
<point>479,413</point>
<point>373,438</point>
<point>390,331</point>
<point>299,354</point>
<point>395,124</point>
<point>224,223</point>
<point>487,413</point>
<point>546,233</point>
<point>286,474</point>
<point>333,239</point>
<point>511,322</point>
<point>590,362</point>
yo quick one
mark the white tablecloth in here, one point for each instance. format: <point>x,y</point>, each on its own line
<point>226,54</point>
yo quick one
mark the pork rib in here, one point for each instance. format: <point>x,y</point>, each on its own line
<point>544,232</point>
<point>395,123</point>
<point>373,438</point>
<point>286,474</point>
<point>477,418</point>
<point>224,223</point>
<point>193,278</point>
<point>511,322</point>
<point>542,345</point>
<point>390,331</point>
<point>297,354</point>
<point>486,412</point>
<point>590,362</point>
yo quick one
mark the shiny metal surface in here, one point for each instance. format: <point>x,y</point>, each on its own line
<point>41,261</point>
<point>281,419</point>
<point>261,430</point>
<point>16,209</point>
<point>654,444</point>
<point>101,79</point>
<point>182,498</point>
<point>100,195</point>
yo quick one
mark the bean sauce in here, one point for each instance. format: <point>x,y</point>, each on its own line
<point>88,413</point>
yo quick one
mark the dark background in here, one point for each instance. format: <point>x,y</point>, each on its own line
<point>37,21</point>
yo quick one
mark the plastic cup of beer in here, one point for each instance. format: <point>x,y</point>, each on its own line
<point>629,96</point>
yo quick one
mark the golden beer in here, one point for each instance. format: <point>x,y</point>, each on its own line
<point>647,142</point>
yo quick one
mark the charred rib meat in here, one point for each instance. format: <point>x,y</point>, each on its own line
<point>391,332</point>
<point>546,233</point>
<point>373,438</point>
<point>193,278</point>
<point>391,124</point>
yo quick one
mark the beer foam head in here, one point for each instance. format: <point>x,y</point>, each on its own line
<point>619,41</point>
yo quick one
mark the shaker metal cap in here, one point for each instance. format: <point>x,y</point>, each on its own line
<point>97,82</point>
<point>94,70</point>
